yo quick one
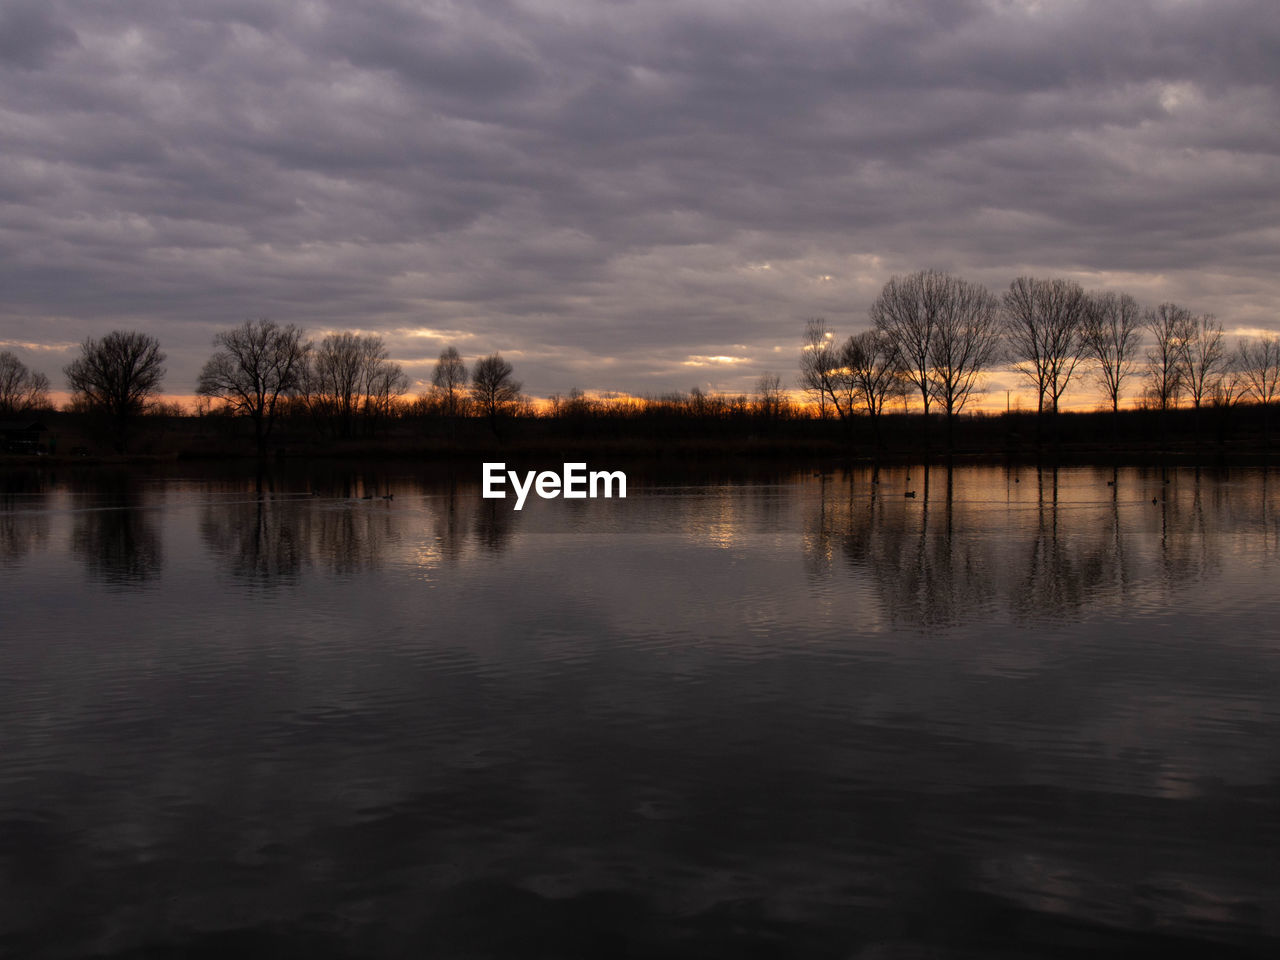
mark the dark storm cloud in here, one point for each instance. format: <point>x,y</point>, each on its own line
<point>30,34</point>
<point>636,196</point>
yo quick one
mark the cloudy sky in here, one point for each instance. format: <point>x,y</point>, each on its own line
<point>636,196</point>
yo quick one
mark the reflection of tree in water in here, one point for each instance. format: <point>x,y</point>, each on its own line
<point>493,525</point>
<point>923,574</point>
<point>276,532</point>
<point>933,563</point>
<point>1189,546</point>
<point>276,537</point>
<point>1066,565</point>
<point>926,575</point>
<point>23,523</point>
<point>118,540</point>
<point>450,524</point>
<point>352,537</point>
<point>824,525</point>
<point>261,541</point>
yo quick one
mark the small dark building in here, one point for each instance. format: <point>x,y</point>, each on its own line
<point>22,436</point>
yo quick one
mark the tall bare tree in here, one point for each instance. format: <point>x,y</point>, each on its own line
<point>494,387</point>
<point>1170,326</point>
<point>907,311</point>
<point>449,382</point>
<point>257,364</point>
<point>1112,334</point>
<point>22,390</point>
<point>1203,357</point>
<point>1045,323</point>
<point>117,376</point>
<point>966,339</point>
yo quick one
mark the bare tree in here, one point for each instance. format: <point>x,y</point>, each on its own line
<point>349,377</point>
<point>449,382</point>
<point>382,380</point>
<point>864,371</point>
<point>117,376</point>
<point>21,389</point>
<point>258,364</point>
<point>1045,321</point>
<point>875,371</point>
<point>907,311</point>
<point>1258,362</point>
<point>966,339</point>
<point>332,381</point>
<point>821,375</point>
<point>771,400</point>
<point>1112,334</point>
<point>1170,325</point>
<point>493,386</point>
<point>1203,355</point>
<point>1228,387</point>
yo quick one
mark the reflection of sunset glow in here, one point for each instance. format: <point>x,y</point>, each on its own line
<point>425,556</point>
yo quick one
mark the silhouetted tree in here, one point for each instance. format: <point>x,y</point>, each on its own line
<point>907,311</point>
<point>1045,324</point>
<point>331,383</point>
<point>449,382</point>
<point>259,363</point>
<point>770,398</point>
<point>875,371</point>
<point>1259,366</point>
<point>21,389</point>
<point>382,381</point>
<point>966,339</point>
<point>1258,362</point>
<point>1170,326</point>
<point>1112,334</point>
<point>1229,387</point>
<point>822,371</point>
<point>493,386</point>
<point>350,376</point>
<point>117,376</point>
<point>1203,356</point>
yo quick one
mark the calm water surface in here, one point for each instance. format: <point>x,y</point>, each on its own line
<point>1019,714</point>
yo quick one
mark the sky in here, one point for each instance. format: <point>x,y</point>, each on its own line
<point>619,196</point>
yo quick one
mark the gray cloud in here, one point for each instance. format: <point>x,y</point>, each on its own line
<point>607,192</point>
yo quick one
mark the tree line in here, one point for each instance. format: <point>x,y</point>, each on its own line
<point>346,384</point>
<point>933,336</point>
<point>931,340</point>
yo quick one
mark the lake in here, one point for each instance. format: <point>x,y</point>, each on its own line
<point>1021,713</point>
